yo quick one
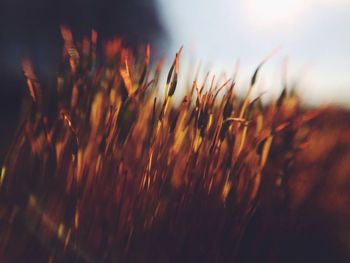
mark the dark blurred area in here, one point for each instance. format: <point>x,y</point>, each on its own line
<point>31,29</point>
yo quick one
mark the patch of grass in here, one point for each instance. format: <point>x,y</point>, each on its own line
<point>104,169</point>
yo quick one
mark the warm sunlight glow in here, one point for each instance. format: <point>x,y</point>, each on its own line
<point>275,12</point>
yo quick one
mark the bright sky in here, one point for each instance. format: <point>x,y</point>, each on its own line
<point>314,35</point>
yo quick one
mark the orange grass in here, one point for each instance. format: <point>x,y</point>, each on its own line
<point>104,169</point>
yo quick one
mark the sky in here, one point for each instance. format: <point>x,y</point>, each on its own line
<point>313,37</point>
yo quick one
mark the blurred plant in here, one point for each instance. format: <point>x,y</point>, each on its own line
<point>104,170</point>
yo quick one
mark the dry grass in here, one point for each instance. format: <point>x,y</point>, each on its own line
<point>104,169</point>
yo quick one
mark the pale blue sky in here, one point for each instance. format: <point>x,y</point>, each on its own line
<point>314,34</point>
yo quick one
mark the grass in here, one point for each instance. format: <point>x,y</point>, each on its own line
<point>105,169</point>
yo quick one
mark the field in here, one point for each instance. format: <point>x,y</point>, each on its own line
<point>105,167</point>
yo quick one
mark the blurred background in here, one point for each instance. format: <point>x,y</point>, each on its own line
<point>31,29</point>
<point>312,35</point>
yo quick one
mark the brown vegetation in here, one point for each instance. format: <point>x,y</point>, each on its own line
<point>103,169</point>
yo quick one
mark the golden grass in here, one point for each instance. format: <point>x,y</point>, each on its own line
<point>113,172</point>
